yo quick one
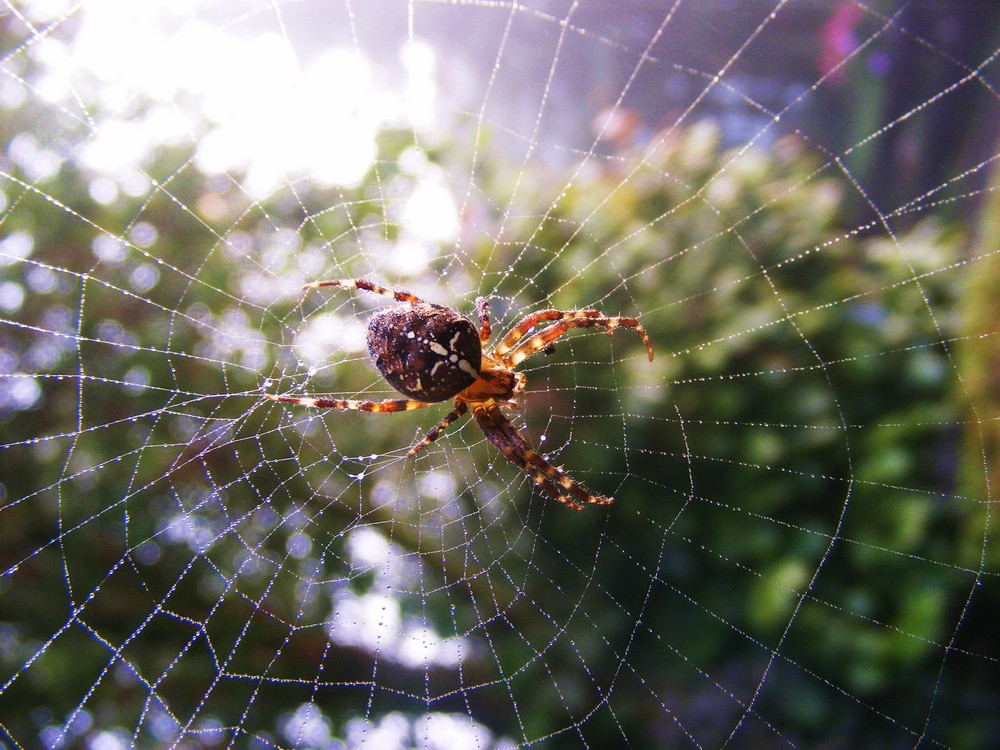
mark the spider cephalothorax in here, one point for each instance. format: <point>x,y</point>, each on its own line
<point>431,353</point>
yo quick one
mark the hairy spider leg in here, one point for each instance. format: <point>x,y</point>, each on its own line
<point>526,324</point>
<point>544,338</point>
<point>460,408</point>
<point>483,311</point>
<point>548,487</point>
<point>556,483</point>
<point>367,286</point>
<point>388,405</point>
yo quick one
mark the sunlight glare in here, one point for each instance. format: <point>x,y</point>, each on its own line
<point>248,101</point>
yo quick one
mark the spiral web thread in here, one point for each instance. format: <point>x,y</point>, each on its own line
<point>801,545</point>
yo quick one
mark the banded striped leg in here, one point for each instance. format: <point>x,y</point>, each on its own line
<point>388,405</point>
<point>368,286</point>
<point>564,480</point>
<point>460,408</point>
<point>556,483</point>
<point>544,339</point>
<point>527,324</point>
<point>483,311</point>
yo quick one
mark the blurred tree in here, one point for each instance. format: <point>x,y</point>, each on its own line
<point>173,547</point>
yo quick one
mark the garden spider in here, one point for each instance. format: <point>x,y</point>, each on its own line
<point>431,353</point>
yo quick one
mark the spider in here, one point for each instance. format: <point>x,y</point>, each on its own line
<point>431,353</point>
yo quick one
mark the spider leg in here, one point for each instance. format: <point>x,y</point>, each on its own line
<point>556,483</point>
<point>388,405</point>
<point>483,310</point>
<point>526,324</point>
<point>460,408</point>
<point>551,490</point>
<point>367,286</point>
<point>543,340</point>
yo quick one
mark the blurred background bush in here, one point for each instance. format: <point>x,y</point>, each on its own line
<point>802,476</point>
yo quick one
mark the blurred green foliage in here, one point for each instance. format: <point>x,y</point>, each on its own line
<point>791,455</point>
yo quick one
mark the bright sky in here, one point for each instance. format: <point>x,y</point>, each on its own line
<point>253,105</point>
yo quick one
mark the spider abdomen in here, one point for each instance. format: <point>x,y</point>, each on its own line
<point>426,352</point>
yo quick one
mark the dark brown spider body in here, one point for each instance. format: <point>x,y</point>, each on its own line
<point>424,351</point>
<point>431,353</point>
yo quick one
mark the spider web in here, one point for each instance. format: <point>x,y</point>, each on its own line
<point>797,199</point>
